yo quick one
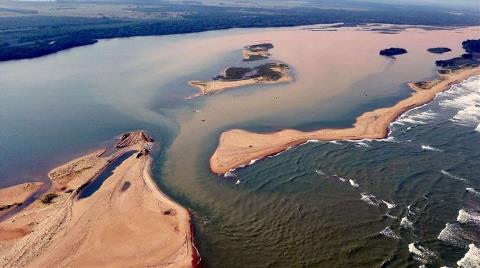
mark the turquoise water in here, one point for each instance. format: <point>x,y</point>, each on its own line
<point>288,211</point>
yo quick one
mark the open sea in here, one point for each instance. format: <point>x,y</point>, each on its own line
<point>409,200</point>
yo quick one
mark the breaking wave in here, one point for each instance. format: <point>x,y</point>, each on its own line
<point>430,148</point>
<point>473,191</point>
<point>406,223</point>
<point>353,183</point>
<point>468,217</point>
<point>444,172</point>
<point>465,99</point>
<point>454,234</point>
<point>471,258</point>
<point>421,254</point>
<point>388,232</point>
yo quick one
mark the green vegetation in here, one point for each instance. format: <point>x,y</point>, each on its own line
<point>29,35</point>
<point>439,50</point>
<point>393,51</point>
<point>48,198</point>
<point>268,71</point>
<point>469,59</point>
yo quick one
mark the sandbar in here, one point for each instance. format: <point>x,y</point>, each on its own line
<point>238,148</point>
<point>126,222</point>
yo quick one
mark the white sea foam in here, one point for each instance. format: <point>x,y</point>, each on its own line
<point>465,99</point>
<point>388,232</point>
<point>362,144</point>
<point>473,191</point>
<point>237,182</point>
<point>391,216</point>
<point>369,199</point>
<point>253,161</point>
<point>454,234</point>
<point>471,258</point>
<point>465,216</point>
<point>319,172</point>
<point>421,254</point>
<point>313,141</point>
<point>229,174</point>
<point>390,205</point>
<point>406,223</point>
<point>431,148</point>
<point>335,142</point>
<point>353,183</point>
<point>444,172</point>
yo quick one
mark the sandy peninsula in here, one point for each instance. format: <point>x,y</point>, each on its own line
<point>235,77</point>
<point>126,222</point>
<point>14,196</point>
<point>238,148</point>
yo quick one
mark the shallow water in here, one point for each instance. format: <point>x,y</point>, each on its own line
<point>283,212</point>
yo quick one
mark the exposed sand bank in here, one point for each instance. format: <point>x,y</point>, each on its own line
<point>238,148</point>
<point>128,221</point>
<point>14,196</point>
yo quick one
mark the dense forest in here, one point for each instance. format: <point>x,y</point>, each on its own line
<point>32,36</point>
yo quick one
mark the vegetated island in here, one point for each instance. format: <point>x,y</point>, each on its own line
<point>103,209</point>
<point>234,77</point>
<point>470,58</point>
<point>392,52</point>
<point>256,52</point>
<point>439,50</point>
<point>238,148</point>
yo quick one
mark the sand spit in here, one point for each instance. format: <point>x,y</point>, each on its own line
<point>127,221</point>
<point>237,147</point>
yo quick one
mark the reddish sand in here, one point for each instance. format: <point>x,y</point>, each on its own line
<point>238,148</point>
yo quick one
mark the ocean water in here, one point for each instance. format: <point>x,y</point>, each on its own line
<point>409,200</point>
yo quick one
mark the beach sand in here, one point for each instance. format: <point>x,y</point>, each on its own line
<point>238,148</point>
<point>128,221</point>
<point>14,196</point>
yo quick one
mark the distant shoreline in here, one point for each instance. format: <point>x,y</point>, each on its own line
<point>238,148</point>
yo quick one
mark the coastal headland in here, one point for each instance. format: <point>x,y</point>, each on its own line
<point>238,148</point>
<point>102,209</point>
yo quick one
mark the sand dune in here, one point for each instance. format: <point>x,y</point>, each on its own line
<point>126,222</point>
<point>238,148</point>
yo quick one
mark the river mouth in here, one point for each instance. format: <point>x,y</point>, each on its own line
<point>282,212</point>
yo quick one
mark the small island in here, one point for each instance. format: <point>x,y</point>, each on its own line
<point>392,52</point>
<point>233,77</point>
<point>257,52</point>
<point>439,50</point>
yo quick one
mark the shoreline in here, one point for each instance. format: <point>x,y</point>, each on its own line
<point>238,148</point>
<point>64,228</point>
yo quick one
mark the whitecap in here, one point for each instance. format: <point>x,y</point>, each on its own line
<point>390,205</point>
<point>388,232</point>
<point>229,174</point>
<point>362,144</point>
<point>431,148</point>
<point>473,191</point>
<point>319,172</point>
<point>335,142</point>
<point>454,234</point>
<point>353,183</point>
<point>406,223</point>
<point>391,216</point>
<point>444,172</point>
<point>421,254</point>
<point>471,258</point>
<point>237,182</point>
<point>369,199</point>
<point>468,217</point>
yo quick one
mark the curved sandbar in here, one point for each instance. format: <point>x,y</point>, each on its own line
<point>269,73</point>
<point>127,222</point>
<point>238,148</point>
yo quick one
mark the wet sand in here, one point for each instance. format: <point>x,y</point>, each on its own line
<point>128,221</point>
<point>239,148</point>
<point>14,196</point>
